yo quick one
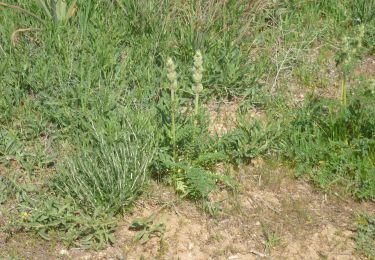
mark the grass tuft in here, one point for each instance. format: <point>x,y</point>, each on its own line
<point>108,175</point>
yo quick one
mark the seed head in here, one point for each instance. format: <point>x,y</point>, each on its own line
<point>171,74</point>
<point>197,72</point>
<point>198,60</point>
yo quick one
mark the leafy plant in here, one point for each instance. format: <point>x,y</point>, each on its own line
<point>248,140</point>
<point>9,145</point>
<point>187,151</point>
<point>56,86</point>
<point>365,235</point>
<point>53,218</point>
<point>146,229</point>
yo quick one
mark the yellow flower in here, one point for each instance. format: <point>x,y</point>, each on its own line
<point>24,215</point>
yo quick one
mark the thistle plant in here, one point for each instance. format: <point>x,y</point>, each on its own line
<point>172,77</point>
<point>197,77</point>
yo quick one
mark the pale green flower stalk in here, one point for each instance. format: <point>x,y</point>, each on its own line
<point>197,77</point>
<point>345,70</point>
<point>172,77</point>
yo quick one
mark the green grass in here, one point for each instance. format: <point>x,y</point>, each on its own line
<point>86,114</point>
<point>109,172</point>
<point>334,143</point>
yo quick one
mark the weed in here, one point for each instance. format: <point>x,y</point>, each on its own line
<point>365,235</point>
<point>56,10</point>
<point>272,239</point>
<point>146,229</point>
<point>109,175</point>
<point>213,208</point>
<point>185,141</point>
<point>351,52</point>
<point>53,218</point>
<point>10,145</point>
<point>20,9</point>
<point>334,144</point>
<point>216,237</point>
<point>247,141</point>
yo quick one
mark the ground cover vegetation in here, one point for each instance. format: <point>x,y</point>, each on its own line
<point>98,97</point>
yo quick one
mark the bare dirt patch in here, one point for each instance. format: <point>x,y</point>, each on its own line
<point>366,68</point>
<point>222,115</point>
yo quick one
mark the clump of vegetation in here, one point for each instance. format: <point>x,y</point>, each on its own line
<point>365,235</point>
<point>109,176</point>
<point>187,150</point>
<point>102,178</point>
<point>335,143</point>
<point>54,218</point>
<point>146,229</point>
<point>332,140</point>
<point>249,139</point>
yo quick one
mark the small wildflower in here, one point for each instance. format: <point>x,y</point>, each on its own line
<point>24,215</point>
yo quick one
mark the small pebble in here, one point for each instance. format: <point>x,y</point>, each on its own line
<point>64,252</point>
<point>120,257</point>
